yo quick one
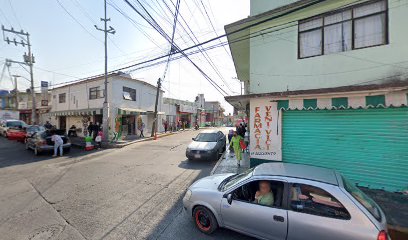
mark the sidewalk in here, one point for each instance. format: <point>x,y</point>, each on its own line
<point>228,163</point>
<point>79,142</point>
<point>395,205</point>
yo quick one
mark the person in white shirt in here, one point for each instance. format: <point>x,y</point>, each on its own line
<point>58,142</point>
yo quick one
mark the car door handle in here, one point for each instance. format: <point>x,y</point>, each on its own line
<point>278,218</point>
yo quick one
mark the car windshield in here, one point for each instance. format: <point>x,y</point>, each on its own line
<point>206,137</point>
<point>36,129</point>
<point>362,198</point>
<point>14,124</point>
<point>234,179</point>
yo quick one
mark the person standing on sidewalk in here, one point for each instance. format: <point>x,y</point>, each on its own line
<point>235,141</point>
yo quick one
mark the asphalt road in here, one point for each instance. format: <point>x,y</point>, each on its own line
<point>129,193</point>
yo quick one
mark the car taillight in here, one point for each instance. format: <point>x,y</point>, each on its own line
<point>382,235</point>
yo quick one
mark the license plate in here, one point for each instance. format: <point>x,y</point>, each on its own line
<point>197,156</point>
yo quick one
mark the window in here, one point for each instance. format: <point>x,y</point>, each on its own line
<point>362,198</point>
<point>61,98</point>
<point>252,193</point>
<point>129,94</point>
<point>313,200</point>
<point>353,28</point>
<point>95,93</point>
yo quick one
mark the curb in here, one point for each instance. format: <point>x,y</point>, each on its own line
<point>219,162</point>
<point>121,145</point>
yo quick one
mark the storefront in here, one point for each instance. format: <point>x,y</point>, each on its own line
<point>78,118</point>
<point>363,136</point>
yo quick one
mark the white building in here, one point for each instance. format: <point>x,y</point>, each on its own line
<point>131,103</point>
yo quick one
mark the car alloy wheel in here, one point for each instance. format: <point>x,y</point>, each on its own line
<point>205,220</point>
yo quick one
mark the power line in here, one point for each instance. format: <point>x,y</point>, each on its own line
<point>157,27</point>
<point>79,23</point>
<point>87,15</point>
<point>251,35</point>
<point>14,14</point>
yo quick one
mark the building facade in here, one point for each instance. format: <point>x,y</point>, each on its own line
<point>326,84</point>
<point>178,110</point>
<point>214,113</point>
<point>131,103</point>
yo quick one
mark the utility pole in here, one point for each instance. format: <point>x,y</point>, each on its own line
<point>16,89</point>
<point>28,60</point>
<point>154,127</point>
<point>111,30</point>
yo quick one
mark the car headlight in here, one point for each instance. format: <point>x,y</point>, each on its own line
<point>188,195</point>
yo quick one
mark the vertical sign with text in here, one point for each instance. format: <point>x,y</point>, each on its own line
<point>265,127</point>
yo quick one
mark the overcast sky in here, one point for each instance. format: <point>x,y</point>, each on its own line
<point>69,47</point>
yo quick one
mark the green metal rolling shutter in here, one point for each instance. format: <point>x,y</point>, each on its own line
<point>369,146</point>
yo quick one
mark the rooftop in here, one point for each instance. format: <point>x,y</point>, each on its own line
<point>297,171</point>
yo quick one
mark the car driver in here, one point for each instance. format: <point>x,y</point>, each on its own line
<point>264,196</point>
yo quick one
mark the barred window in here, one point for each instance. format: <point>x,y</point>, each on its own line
<point>62,98</point>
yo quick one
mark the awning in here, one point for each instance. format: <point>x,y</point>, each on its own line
<point>130,111</point>
<point>82,112</point>
<point>158,113</point>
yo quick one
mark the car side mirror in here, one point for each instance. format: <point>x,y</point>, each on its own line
<point>229,198</point>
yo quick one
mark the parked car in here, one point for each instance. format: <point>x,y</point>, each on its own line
<point>17,133</point>
<point>30,130</point>
<point>208,144</point>
<point>308,203</point>
<point>5,125</point>
<point>41,142</point>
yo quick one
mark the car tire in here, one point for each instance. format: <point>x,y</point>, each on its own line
<point>204,220</point>
<point>67,150</point>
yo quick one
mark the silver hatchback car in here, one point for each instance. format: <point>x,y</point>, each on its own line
<point>285,201</point>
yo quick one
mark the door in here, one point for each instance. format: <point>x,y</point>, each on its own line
<point>369,146</point>
<point>63,122</point>
<point>318,214</point>
<point>246,216</point>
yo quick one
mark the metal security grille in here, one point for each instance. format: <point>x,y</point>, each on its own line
<point>369,146</point>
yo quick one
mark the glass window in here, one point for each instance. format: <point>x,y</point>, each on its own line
<point>129,94</point>
<point>207,137</point>
<point>95,93</point>
<point>263,192</point>
<point>337,38</point>
<point>369,9</point>
<point>316,201</point>
<point>362,198</point>
<point>370,31</point>
<point>337,17</point>
<point>234,179</point>
<point>62,98</point>
<point>311,24</point>
<point>357,27</point>
<point>310,43</point>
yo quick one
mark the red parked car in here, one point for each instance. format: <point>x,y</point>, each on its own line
<point>18,134</point>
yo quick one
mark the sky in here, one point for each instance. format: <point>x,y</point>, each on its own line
<point>67,47</point>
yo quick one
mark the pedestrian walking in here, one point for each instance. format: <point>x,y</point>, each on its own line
<point>141,129</point>
<point>236,145</point>
<point>58,143</point>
